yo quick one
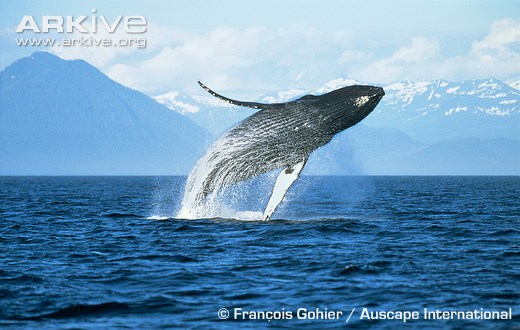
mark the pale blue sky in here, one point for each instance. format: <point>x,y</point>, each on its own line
<point>440,16</point>
<point>268,44</point>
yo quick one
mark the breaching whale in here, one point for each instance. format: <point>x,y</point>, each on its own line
<point>278,135</point>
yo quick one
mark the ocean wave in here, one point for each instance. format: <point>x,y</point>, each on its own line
<point>84,310</point>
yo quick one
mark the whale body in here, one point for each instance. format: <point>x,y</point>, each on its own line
<point>278,135</point>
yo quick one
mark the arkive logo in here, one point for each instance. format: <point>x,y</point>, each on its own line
<point>133,24</point>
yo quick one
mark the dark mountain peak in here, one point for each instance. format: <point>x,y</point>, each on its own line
<point>40,55</point>
<point>43,66</point>
<point>67,117</point>
<point>42,60</point>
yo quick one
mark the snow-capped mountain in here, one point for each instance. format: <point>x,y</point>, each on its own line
<point>66,117</point>
<point>207,111</point>
<point>491,97</point>
<point>438,110</point>
<point>435,127</point>
<point>515,84</point>
<point>428,111</point>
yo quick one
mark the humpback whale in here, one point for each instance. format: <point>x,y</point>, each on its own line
<point>277,136</point>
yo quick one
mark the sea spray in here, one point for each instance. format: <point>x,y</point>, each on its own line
<point>216,191</point>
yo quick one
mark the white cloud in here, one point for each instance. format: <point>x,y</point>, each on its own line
<point>421,50</point>
<point>258,59</point>
<point>503,33</point>
<point>157,39</point>
<point>353,56</point>
<point>84,46</point>
<point>214,57</point>
<point>496,55</point>
<point>406,63</point>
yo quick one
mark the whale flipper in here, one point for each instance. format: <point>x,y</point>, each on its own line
<point>284,180</point>
<point>254,105</point>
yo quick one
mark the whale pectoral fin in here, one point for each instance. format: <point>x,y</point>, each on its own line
<point>284,180</point>
<point>254,105</point>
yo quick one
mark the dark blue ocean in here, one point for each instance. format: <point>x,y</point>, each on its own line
<point>89,253</point>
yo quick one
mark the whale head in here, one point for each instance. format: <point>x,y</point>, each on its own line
<point>347,106</point>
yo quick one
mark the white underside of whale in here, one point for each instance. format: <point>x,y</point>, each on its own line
<point>283,182</point>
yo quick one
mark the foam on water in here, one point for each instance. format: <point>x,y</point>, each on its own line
<point>216,206</point>
<point>157,217</point>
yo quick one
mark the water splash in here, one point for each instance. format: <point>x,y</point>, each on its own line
<point>215,186</point>
<point>157,217</point>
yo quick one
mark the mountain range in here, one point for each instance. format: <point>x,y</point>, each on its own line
<point>60,117</point>
<point>420,128</point>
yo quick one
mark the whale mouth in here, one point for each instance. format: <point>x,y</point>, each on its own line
<point>380,92</point>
